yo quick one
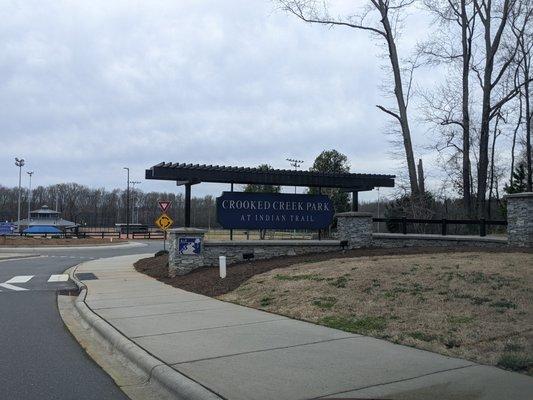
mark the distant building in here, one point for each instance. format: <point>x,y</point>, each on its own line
<point>45,217</point>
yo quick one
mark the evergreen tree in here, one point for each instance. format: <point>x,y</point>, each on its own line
<point>254,188</point>
<point>332,161</point>
<point>519,181</point>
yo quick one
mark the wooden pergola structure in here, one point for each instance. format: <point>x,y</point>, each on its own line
<point>192,174</point>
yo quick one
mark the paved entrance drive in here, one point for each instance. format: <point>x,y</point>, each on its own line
<point>242,353</point>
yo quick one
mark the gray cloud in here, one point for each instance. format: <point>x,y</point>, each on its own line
<point>90,87</point>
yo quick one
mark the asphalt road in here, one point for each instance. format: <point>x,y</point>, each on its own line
<point>39,359</point>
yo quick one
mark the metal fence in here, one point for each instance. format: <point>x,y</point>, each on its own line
<point>402,224</point>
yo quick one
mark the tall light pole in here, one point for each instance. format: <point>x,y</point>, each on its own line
<point>30,173</point>
<point>19,163</point>
<point>296,164</point>
<point>134,213</point>
<point>379,216</point>
<point>128,204</point>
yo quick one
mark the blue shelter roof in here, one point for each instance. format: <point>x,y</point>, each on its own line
<point>41,229</point>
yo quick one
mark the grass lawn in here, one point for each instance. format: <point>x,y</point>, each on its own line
<point>476,306</point>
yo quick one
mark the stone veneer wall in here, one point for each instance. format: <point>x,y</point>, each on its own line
<point>520,219</point>
<point>356,228</point>
<point>353,228</point>
<point>393,240</point>
<point>264,249</point>
<point>234,251</point>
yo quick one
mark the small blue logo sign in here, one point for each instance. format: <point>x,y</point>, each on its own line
<point>189,245</point>
<point>6,228</point>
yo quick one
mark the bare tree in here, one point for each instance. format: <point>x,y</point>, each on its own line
<point>523,32</point>
<point>443,49</point>
<point>380,18</point>
<point>494,67</point>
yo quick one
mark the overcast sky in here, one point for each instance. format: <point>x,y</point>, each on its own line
<point>90,87</point>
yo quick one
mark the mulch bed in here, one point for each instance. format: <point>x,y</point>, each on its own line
<point>206,281</point>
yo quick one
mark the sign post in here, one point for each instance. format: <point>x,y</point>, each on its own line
<point>164,222</point>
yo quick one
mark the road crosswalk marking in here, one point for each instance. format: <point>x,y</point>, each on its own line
<point>9,284</point>
<point>58,278</point>
<point>20,279</point>
<point>12,287</point>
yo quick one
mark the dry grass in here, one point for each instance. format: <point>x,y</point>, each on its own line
<point>476,306</point>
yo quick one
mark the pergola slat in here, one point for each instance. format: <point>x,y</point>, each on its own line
<point>283,177</point>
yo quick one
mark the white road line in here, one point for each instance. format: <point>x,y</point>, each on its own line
<point>58,278</point>
<point>12,287</point>
<point>20,279</point>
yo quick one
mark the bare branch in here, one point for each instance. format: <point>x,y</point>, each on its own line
<point>389,112</point>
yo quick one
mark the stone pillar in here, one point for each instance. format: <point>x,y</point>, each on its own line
<point>356,228</point>
<point>520,219</point>
<point>185,250</point>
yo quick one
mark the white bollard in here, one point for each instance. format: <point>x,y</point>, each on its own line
<point>222,264</point>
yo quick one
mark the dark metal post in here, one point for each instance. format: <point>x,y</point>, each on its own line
<point>444,230</point>
<point>188,205</point>
<point>319,231</point>
<point>482,227</point>
<point>19,163</point>
<point>404,225</point>
<point>355,201</point>
<point>128,205</point>
<point>231,230</point>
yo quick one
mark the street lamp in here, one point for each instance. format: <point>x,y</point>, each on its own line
<point>19,163</point>
<point>134,212</point>
<point>296,164</point>
<point>30,173</point>
<point>128,204</point>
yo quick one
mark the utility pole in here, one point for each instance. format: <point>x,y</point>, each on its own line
<point>134,213</point>
<point>127,204</point>
<point>19,163</point>
<point>296,164</point>
<point>30,173</point>
<point>379,216</point>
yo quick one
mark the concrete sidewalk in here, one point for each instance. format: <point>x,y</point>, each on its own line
<point>242,353</point>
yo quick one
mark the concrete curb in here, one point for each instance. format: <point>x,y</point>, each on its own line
<point>170,380</point>
<point>21,257</point>
<point>87,247</point>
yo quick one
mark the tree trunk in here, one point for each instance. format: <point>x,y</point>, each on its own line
<point>402,107</point>
<point>421,183</point>
<point>483,163</point>
<point>466,44</point>
<point>484,133</point>
<point>515,132</point>
<point>529,117</point>
<point>492,45</point>
<point>492,151</point>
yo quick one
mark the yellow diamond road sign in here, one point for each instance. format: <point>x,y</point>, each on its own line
<point>164,222</point>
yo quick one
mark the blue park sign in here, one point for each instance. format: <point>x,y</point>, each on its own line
<point>238,210</point>
<point>6,229</point>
